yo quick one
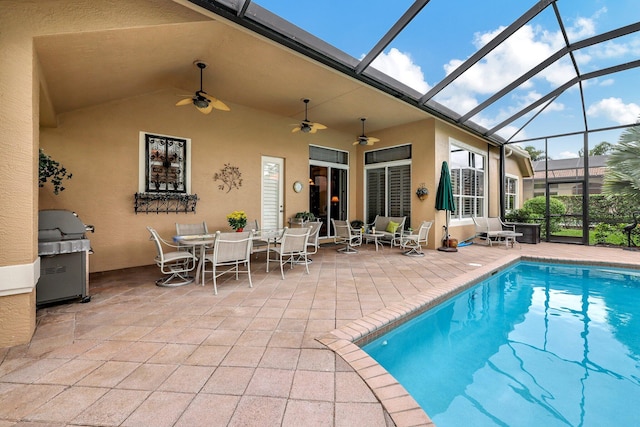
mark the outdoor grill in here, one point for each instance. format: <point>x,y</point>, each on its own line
<point>64,257</point>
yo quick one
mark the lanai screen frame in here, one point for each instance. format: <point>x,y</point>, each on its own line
<point>261,21</point>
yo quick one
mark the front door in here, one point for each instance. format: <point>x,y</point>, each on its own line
<point>272,192</point>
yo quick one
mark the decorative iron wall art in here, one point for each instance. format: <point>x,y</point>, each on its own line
<point>230,176</point>
<point>166,167</point>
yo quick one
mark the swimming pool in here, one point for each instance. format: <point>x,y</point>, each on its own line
<point>536,344</point>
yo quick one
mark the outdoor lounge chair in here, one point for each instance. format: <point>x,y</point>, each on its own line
<point>491,229</point>
<point>175,264</point>
<point>391,227</point>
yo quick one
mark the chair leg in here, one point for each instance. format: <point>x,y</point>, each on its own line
<point>215,284</point>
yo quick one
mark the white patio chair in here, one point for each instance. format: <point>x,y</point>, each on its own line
<point>292,248</point>
<point>230,250</point>
<point>259,245</point>
<point>175,264</point>
<point>345,235</point>
<point>413,242</point>
<point>314,237</point>
<point>199,228</point>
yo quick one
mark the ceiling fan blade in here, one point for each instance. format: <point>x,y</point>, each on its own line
<point>295,129</point>
<point>318,126</point>
<point>219,105</point>
<point>205,110</point>
<point>371,140</point>
<point>356,143</point>
<point>184,102</point>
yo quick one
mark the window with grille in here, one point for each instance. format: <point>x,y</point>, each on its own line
<point>165,163</point>
<point>468,181</point>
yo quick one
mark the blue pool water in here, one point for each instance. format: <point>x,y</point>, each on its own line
<point>536,344</point>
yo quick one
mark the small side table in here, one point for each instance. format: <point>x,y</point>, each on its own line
<point>509,237</point>
<point>374,237</point>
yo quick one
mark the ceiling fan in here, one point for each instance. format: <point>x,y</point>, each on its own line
<point>363,139</point>
<point>203,101</point>
<point>306,126</point>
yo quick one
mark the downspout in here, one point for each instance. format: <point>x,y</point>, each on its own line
<point>502,175</point>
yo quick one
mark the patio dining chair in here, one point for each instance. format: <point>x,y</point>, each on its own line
<point>231,251</point>
<point>189,230</point>
<point>345,235</point>
<point>259,245</point>
<point>412,243</point>
<point>174,264</point>
<point>314,237</point>
<point>292,248</point>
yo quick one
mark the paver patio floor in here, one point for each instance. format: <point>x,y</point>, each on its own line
<point>142,355</point>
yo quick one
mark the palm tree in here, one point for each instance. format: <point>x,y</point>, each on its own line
<point>623,166</point>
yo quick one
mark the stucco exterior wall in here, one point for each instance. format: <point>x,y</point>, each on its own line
<point>100,147</point>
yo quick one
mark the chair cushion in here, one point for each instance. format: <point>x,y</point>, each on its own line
<point>392,227</point>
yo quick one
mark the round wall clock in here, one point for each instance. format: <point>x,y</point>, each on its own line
<point>297,186</point>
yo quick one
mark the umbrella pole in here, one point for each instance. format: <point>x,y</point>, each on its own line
<point>446,247</point>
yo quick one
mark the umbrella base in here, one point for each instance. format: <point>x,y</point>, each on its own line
<point>447,249</point>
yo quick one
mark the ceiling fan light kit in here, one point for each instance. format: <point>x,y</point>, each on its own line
<point>363,139</point>
<point>306,126</point>
<point>204,102</point>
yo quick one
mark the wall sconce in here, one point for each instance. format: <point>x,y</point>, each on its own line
<point>335,199</point>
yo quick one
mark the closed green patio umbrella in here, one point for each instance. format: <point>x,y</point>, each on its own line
<point>445,202</point>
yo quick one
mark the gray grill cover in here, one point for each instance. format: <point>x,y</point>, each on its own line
<point>56,224</point>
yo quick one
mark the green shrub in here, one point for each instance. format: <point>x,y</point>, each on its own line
<point>538,207</point>
<point>519,215</point>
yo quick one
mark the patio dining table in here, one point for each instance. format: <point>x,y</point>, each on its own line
<point>202,241</point>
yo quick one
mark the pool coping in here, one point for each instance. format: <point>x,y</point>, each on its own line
<point>347,340</point>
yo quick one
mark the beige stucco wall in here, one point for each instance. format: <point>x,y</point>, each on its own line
<point>100,147</point>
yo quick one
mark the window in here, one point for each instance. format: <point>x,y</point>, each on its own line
<point>165,163</point>
<point>388,183</point>
<point>510,193</point>
<point>468,181</point>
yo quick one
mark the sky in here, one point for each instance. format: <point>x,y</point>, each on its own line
<point>447,32</point>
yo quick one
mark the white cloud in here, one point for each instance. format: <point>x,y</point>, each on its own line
<point>401,67</point>
<point>525,49</point>
<point>566,155</point>
<point>615,110</point>
<point>607,82</point>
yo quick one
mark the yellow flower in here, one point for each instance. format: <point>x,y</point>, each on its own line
<point>237,219</point>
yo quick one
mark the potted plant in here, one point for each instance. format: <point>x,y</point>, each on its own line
<point>422,192</point>
<point>51,170</point>
<point>305,216</point>
<point>237,220</point>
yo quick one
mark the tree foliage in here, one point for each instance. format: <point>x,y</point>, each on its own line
<point>623,167</point>
<point>534,153</point>
<point>599,150</point>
